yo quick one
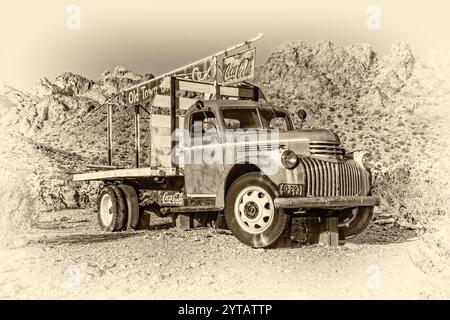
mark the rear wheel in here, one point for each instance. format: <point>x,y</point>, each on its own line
<point>354,221</point>
<point>111,209</point>
<point>250,212</point>
<point>132,204</point>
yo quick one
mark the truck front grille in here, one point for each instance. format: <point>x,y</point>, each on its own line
<point>326,149</point>
<point>327,179</point>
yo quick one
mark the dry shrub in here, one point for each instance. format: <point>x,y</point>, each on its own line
<point>413,193</point>
<point>19,203</point>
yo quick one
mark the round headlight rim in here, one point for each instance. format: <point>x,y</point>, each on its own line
<point>368,164</point>
<point>285,162</point>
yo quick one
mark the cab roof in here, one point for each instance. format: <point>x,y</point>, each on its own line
<point>216,105</point>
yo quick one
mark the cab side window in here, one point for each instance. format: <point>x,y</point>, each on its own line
<point>203,124</point>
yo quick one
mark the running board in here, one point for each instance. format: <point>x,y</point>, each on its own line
<point>195,209</point>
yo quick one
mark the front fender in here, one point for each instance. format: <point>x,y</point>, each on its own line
<point>269,164</point>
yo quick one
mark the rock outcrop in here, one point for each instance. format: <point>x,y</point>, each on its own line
<point>357,93</point>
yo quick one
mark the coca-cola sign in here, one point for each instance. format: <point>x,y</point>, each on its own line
<point>238,67</point>
<point>172,198</point>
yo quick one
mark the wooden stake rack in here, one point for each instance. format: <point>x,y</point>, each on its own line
<point>173,107</point>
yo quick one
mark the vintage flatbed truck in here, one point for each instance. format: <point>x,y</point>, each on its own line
<point>276,171</point>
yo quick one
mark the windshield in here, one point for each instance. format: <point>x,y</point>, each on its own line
<point>248,118</point>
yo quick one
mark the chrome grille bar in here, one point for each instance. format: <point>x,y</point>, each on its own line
<point>325,179</point>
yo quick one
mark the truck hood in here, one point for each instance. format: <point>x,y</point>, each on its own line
<point>314,135</point>
<point>299,139</point>
<point>318,143</point>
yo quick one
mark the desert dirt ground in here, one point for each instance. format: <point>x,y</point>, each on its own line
<point>66,256</point>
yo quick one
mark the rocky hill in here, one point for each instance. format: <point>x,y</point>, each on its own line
<point>374,103</point>
<point>385,104</point>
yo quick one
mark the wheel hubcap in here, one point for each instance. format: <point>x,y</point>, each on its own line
<point>251,210</point>
<point>106,210</point>
<point>254,209</point>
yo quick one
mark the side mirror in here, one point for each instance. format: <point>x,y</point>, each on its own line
<point>301,114</point>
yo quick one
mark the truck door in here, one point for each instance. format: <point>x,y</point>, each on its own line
<point>203,162</point>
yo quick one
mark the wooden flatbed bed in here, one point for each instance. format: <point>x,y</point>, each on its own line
<point>131,173</point>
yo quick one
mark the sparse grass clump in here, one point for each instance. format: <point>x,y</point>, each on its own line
<point>412,193</point>
<point>19,200</point>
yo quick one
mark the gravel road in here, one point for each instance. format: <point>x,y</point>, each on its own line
<point>66,256</point>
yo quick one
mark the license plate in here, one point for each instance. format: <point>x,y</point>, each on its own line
<point>291,190</point>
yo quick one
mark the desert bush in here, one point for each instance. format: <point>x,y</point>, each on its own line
<point>19,201</point>
<point>413,193</point>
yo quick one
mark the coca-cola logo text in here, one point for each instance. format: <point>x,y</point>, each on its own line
<point>172,198</point>
<point>239,67</point>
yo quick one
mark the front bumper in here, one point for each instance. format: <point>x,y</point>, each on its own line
<point>326,202</point>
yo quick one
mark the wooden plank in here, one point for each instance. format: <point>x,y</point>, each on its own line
<point>122,173</point>
<point>173,114</point>
<point>101,167</point>
<point>164,102</point>
<point>163,121</point>
<point>160,160</point>
<point>190,85</point>
<point>160,131</point>
<point>201,87</point>
<point>180,122</point>
<point>237,92</point>
<point>161,141</point>
<point>160,121</point>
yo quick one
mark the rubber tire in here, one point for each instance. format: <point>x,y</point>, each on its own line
<point>132,203</point>
<point>274,232</point>
<point>118,207</point>
<point>358,225</point>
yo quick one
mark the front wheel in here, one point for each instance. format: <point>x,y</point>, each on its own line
<point>354,221</point>
<point>250,212</point>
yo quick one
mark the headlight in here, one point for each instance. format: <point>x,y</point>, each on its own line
<point>289,159</point>
<point>365,159</point>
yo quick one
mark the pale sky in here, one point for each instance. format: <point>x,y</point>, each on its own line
<point>158,36</point>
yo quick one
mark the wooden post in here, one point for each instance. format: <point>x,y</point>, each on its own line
<point>323,230</point>
<point>182,220</point>
<point>173,116</point>
<point>256,94</point>
<point>216,85</point>
<point>109,131</point>
<point>137,134</point>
